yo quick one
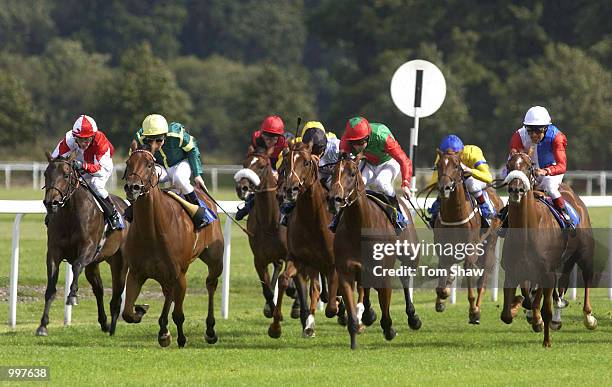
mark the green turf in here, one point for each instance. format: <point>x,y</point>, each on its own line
<point>446,350</point>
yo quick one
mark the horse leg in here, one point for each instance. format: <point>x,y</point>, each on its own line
<point>536,322</point>
<point>300,286</point>
<point>309,327</point>
<point>346,282</point>
<point>384,300</point>
<point>77,268</point>
<point>512,303</point>
<point>164,337</point>
<point>547,315</point>
<point>92,273</point>
<point>264,279</point>
<point>369,315</point>
<point>212,280</point>
<point>474,312</point>
<point>274,331</point>
<point>589,320</point>
<point>324,290</point>
<point>443,290</point>
<point>178,316</point>
<point>52,275</point>
<point>132,291</point>
<point>332,307</point>
<point>119,269</point>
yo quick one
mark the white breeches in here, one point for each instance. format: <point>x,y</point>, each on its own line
<point>475,186</point>
<point>98,181</point>
<point>380,177</point>
<point>178,176</point>
<point>550,184</point>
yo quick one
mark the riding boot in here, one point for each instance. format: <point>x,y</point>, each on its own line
<point>202,217</point>
<point>248,205</point>
<point>285,210</point>
<point>560,206</point>
<point>434,210</point>
<point>115,220</point>
<point>396,213</point>
<point>503,215</point>
<point>335,220</point>
<point>487,211</point>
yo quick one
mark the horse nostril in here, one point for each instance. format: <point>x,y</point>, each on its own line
<point>295,189</point>
<point>337,199</point>
<point>126,187</point>
<point>245,188</point>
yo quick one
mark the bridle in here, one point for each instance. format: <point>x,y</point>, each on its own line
<point>531,175</point>
<point>454,179</point>
<point>346,199</point>
<point>73,183</point>
<point>149,179</point>
<point>313,170</point>
<point>268,170</point>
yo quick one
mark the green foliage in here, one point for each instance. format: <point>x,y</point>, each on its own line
<point>142,85</point>
<point>25,25</point>
<point>17,116</point>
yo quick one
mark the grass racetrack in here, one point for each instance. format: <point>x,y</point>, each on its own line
<point>446,350</point>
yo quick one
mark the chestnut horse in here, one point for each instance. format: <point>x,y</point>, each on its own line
<point>309,241</point>
<point>162,243</point>
<point>459,222</point>
<point>268,241</point>
<point>536,248</point>
<point>76,233</point>
<point>347,194</point>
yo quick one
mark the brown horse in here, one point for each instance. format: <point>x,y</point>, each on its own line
<point>161,245</point>
<point>536,248</point>
<point>459,222</point>
<point>268,240</point>
<point>347,194</point>
<point>76,233</point>
<point>309,241</point>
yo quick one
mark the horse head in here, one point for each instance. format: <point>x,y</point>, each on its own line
<point>255,174</point>
<point>140,175</point>
<point>450,173</point>
<point>301,170</point>
<point>346,183</point>
<point>520,178</point>
<point>61,180</point>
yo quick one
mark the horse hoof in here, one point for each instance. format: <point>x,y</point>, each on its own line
<point>211,339</point>
<point>538,327</point>
<point>556,325</point>
<point>104,327</point>
<point>141,310</point>
<point>361,328</point>
<point>42,331</point>
<point>475,318</point>
<point>369,317</point>
<point>529,316</point>
<point>290,292</point>
<point>181,342</point>
<point>562,303</point>
<point>274,333</point>
<point>440,307</point>
<point>390,334</point>
<point>590,322</point>
<point>342,319</point>
<point>415,323</point>
<point>308,333</point>
<point>164,339</point>
<point>547,344</point>
<point>267,311</point>
<point>72,301</point>
<point>295,313</point>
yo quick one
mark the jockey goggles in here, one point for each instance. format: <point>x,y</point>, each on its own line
<point>157,139</point>
<point>536,128</point>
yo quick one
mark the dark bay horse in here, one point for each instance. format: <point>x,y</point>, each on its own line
<point>536,248</point>
<point>162,243</point>
<point>347,194</point>
<point>309,241</point>
<point>268,241</point>
<point>459,222</point>
<point>76,233</point>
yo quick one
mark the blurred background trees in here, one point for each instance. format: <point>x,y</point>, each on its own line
<point>220,66</point>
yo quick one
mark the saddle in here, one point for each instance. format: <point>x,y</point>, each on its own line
<point>200,214</point>
<point>575,218</point>
<point>382,201</point>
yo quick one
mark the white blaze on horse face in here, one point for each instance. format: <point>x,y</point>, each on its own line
<point>255,160</point>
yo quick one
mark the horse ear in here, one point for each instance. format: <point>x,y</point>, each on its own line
<point>250,149</point>
<point>343,156</point>
<point>133,146</point>
<point>309,146</point>
<point>513,152</point>
<point>72,156</point>
<point>358,158</point>
<point>439,152</point>
<point>532,149</point>
<point>48,155</point>
<point>270,151</point>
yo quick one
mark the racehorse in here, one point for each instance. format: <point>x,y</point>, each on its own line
<point>162,243</point>
<point>268,241</point>
<point>458,223</point>
<point>309,241</point>
<point>536,247</point>
<point>347,194</point>
<point>76,233</point>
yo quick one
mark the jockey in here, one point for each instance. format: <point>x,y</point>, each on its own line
<point>94,161</point>
<point>473,164</point>
<point>325,145</point>
<point>384,160</point>
<point>550,158</point>
<point>270,134</point>
<point>177,159</point>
